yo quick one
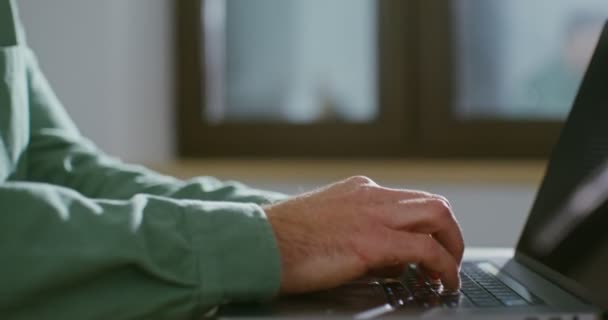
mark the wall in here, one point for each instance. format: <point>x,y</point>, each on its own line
<point>110,62</point>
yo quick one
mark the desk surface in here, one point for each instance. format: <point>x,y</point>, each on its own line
<point>473,252</point>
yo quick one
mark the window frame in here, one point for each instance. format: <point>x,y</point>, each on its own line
<point>414,121</point>
<point>442,133</point>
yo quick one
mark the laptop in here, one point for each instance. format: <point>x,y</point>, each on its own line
<point>559,269</point>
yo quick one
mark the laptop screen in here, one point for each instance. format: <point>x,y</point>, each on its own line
<point>567,230</point>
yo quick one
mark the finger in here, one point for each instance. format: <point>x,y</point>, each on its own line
<point>404,248</point>
<point>434,257</point>
<point>445,228</point>
<point>430,216</point>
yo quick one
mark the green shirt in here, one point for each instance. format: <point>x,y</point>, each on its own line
<point>84,236</point>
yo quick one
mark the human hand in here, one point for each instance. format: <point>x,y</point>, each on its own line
<point>343,231</point>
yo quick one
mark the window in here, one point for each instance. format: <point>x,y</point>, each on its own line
<point>310,69</point>
<point>533,57</point>
<point>380,77</point>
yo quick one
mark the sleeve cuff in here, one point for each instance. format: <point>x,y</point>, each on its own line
<point>238,257</point>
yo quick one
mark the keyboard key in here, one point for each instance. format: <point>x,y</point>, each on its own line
<point>478,288</point>
<point>397,294</point>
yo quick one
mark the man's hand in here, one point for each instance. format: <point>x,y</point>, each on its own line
<point>345,230</point>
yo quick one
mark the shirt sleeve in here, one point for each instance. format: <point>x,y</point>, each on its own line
<point>69,257</point>
<point>86,236</point>
<point>58,154</point>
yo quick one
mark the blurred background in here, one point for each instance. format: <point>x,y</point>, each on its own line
<point>461,97</point>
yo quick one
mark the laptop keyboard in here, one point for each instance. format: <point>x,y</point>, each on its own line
<point>479,288</point>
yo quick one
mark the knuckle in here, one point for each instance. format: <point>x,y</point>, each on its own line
<point>441,210</point>
<point>442,198</point>
<point>360,180</point>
